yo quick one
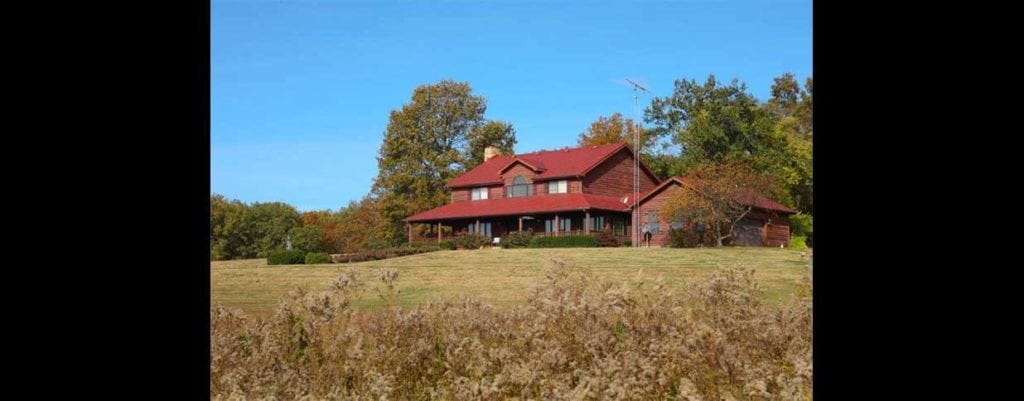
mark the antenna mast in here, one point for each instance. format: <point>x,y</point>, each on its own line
<point>636,163</point>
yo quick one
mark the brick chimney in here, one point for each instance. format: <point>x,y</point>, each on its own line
<point>490,152</point>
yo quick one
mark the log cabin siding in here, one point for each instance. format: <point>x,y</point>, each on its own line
<point>517,170</point>
<point>656,203</point>
<point>460,194</point>
<point>774,233</point>
<point>496,192</point>
<point>614,177</point>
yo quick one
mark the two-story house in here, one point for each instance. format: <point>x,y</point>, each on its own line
<point>571,192</point>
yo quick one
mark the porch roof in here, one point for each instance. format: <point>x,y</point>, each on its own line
<point>521,206</point>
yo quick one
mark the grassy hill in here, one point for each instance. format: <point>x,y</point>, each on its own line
<point>502,276</point>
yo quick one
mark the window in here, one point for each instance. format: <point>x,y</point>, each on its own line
<point>619,227</point>
<point>597,223</point>
<point>564,224</point>
<point>479,193</point>
<point>678,223</point>
<point>485,229</point>
<point>652,221</point>
<point>558,187</point>
<point>519,187</point>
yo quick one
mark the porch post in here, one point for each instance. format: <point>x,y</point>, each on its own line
<point>477,226</point>
<point>556,224</point>
<point>586,223</point>
<point>439,232</point>
<point>409,226</point>
<point>520,223</point>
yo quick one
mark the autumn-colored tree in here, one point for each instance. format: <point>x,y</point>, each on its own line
<point>361,227</point>
<point>426,144</point>
<point>718,195</point>
<point>615,129</point>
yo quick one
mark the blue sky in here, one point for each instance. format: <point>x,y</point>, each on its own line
<point>301,90</point>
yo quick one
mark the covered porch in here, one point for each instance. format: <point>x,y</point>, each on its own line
<point>586,222</point>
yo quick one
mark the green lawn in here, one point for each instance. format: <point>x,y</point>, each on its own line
<point>502,276</point>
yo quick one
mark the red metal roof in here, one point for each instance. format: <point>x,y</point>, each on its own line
<point>521,206</point>
<point>548,163</point>
<point>749,198</point>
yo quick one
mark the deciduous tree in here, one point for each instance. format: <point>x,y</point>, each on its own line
<point>495,133</point>
<point>719,195</point>
<point>426,144</point>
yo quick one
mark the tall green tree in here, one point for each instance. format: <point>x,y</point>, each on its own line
<point>426,144</point>
<point>789,101</point>
<point>719,123</point>
<point>794,111</point>
<point>238,230</point>
<point>229,231</point>
<point>269,226</point>
<point>495,133</point>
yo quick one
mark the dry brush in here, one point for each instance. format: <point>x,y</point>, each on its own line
<point>576,338</point>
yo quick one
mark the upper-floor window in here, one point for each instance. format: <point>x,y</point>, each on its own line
<point>519,187</point>
<point>558,187</point>
<point>479,193</point>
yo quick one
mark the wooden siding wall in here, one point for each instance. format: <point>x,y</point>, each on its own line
<point>575,186</point>
<point>656,203</point>
<point>775,233</point>
<point>463,194</point>
<point>496,192</point>
<point>516,170</point>
<point>614,177</point>
<point>460,194</point>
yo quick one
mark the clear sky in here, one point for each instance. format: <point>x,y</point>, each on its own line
<point>301,90</point>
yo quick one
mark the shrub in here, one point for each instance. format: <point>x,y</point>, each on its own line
<point>802,225</point>
<point>378,254</point>
<point>569,241</point>
<point>687,238</point>
<point>447,244</point>
<point>283,257</point>
<point>316,258</point>
<point>798,242</point>
<point>517,239</point>
<point>471,241</point>
<point>627,243</point>
<point>418,245</point>
<point>605,239</point>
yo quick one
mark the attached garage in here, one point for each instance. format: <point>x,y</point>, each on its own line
<point>766,225</point>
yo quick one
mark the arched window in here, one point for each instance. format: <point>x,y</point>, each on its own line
<point>519,187</point>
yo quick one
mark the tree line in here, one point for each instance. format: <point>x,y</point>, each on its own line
<point>442,132</point>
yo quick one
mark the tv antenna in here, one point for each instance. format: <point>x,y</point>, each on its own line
<point>636,161</point>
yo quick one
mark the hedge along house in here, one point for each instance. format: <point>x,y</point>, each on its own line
<point>767,223</point>
<point>576,191</point>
